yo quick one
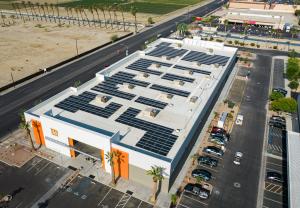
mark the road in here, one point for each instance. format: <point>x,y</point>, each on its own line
<point>11,104</point>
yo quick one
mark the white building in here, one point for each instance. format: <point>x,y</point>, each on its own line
<point>148,107</point>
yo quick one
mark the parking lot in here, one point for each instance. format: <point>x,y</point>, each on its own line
<point>29,183</point>
<point>85,192</point>
<point>237,185</point>
<point>276,141</point>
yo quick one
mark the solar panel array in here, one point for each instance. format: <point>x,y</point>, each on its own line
<point>163,44</point>
<point>151,102</point>
<point>81,102</point>
<point>199,71</point>
<point>158,139</point>
<point>109,85</point>
<point>143,64</point>
<point>167,51</point>
<point>204,58</point>
<point>173,77</point>
<point>170,90</point>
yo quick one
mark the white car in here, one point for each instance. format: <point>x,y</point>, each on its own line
<point>239,119</point>
<point>237,158</point>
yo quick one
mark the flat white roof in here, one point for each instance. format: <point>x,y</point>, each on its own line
<point>153,73</point>
<point>293,147</point>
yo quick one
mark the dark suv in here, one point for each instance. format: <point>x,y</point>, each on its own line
<point>213,150</point>
<point>201,173</point>
<point>196,189</point>
<point>278,124</point>
<point>274,176</point>
<point>278,119</point>
<point>220,136</point>
<point>206,160</point>
<point>218,130</point>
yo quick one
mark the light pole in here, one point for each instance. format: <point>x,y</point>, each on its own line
<point>126,52</point>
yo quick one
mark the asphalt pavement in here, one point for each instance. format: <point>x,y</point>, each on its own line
<point>237,186</point>
<point>11,104</point>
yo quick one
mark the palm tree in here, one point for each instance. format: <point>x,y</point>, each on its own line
<point>182,28</point>
<point>194,158</point>
<point>157,175</point>
<point>114,8</point>
<point>83,10</point>
<point>53,14</point>
<point>67,10</point>
<point>91,9</point>
<point>110,19</point>
<point>33,8</point>
<point>103,11</point>
<point>80,12</point>
<point>133,11</point>
<point>57,9</point>
<point>77,10</point>
<point>123,19</point>
<point>26,126</point>
<point>16,5</point>
<point>46,5</point>
<point>42,7</point>
<point>38,6</point>
<point>71,12</point>
<point>225,25</point>
<point>110,157</point>
<point>96,10</point>
<point>2,18</point>
<point>24,5</point>
<point>29,4</point>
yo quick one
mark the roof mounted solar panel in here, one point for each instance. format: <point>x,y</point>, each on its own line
<point>170,90</point>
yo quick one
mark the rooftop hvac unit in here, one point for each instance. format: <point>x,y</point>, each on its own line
<point>102,98</point>
<point>179,82</point>
<point>210,51</point>
<point>191,72</point>
<point>154,112</point>
<point>145,75</point>
<point>198,63</point>
<point>168,58</point>
<point>217,65</point>
<point>169,96</point>
<point>193,99</point>
<point>157,65</point>
<point>130,86</point>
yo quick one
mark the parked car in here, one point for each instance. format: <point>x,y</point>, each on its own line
<point>277,124</point>
<point>221,136</point>
<point>281,90</point>
<point>206,175</point>
<point>207,160</point>
<point>239,119</point>
<point>216,129</point>
<point>237,158</point>
<point>274,176</point>
<point>217,140</point>
<point>278,119</point>
<point>213,150</point>
<point>196,189</point>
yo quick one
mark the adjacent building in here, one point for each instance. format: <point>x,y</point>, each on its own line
<point>148,108</point>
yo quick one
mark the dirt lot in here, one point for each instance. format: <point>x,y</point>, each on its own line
<point>28,47</point>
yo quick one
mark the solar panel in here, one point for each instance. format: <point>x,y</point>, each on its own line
<point>81,102</point>
<point>117,93</point>
<point>199,71</point>
<point>166,51</point>
<point>170,90</point>
<point>158,139</point>
<point>204,58</point>
<point>143,64</point>
<point>151,102</point>
<point>173,77</point>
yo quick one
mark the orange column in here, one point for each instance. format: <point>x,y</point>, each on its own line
<point>71,143</point>
<point>102,158</point>
<point>38,132</point>
<point>121,166</point>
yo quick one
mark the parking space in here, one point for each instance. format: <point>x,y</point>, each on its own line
<point>29,183</point>
<point>85,192</point>
<point>191,201</point>
<point>276,141</point>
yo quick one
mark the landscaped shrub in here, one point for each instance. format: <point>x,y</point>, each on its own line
<point>288,105</point>
<point>293,85</point>
<point>252,44</point>
<point>236,42</point>
<point>276,96</point>
<point>257,46</point>
<point>275,47</point>
<point>230,42</point>
<point>219,40</point>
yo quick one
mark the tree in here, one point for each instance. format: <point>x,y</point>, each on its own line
<point>26,126</point>
<point>199,179</point>
<point>57,9</point>
<point>156,173</point>
<point>91,9</point>
<point>53,15</point>
<point>110,18</point>
<point>32,13</point>
<point>173,200</point>
<point>122,13</point>
<point>42,7</point>
<point>103,12</point>
<point>133,11</point>
<point>293,68</point>
<point>194,157</point>
<point>67,10</point>
<point>110,157</point>
<point>292,54</point>
<point>24,5</point>
<point>293,85</point>
<point>294,32</point>
<point>150,20</point>
<point>83,10</point>
<point>182,28</point>
<point>114,38</point>
<point>288,105</point>
<point>47,8</point>
<point>276,96</point>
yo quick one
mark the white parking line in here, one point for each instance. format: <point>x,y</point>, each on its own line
<point>183,205</point>
<point>123,201</point>
<point>19,205</point>
<point>33,166</point>
<point>209,168</point>
<point>272,200</point>
<point>273,170</point>
<point>40,170</point>
<point>274,164</point>
<point>104,197</point>
<point>196,200</point>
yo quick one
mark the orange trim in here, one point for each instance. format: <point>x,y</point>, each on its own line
<point>71,143</point>
<point>102,158</point>
<point>121,166</point>
<point>38,132</point>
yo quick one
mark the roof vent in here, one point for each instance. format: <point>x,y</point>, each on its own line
<point>198,63</point>
<point>193,99</point>
<point>210,51</point>
<point>157,65</point>
<point>145,75</point>
<point>154,112</point>
<point>217,65</point>
<point>191,72</point>
<point>130,86</point>
<point>169,96</point>
<point>102,98</point>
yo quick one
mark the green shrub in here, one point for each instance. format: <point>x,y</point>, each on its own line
<point>293,69</point>
<point>297,12</point>
<point>230,104</point>
<point>276,96</point>
<point>275,47</point>
<point>211,38</point>
<point>293,85</point>
<point>114,38</point>
<point>242,44</point>
<point>288,105</point>
<point>257,46</point>
<point>252,44</point>
<point>219,40</point>
<point>150,20</point>
<point>230,42</point>
<point>236,42</point>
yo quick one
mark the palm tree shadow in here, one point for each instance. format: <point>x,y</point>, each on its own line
<point>120,159</point>
<point>158,189</point>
